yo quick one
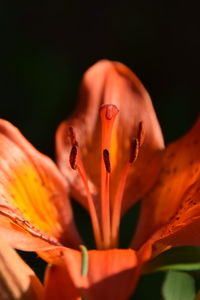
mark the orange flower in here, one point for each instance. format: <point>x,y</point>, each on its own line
<point>110,154</point>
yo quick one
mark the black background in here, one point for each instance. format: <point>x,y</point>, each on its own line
<point>46,46</point>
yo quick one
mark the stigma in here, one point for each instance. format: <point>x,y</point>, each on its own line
<point>106,222</point>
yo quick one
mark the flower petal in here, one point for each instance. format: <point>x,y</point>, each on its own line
<point>17,280</point>
<point>58,285</point>
<point>180,172</point>
<point>33,195</point>
<point>107,274</point>
<point>112,83</point>
<point>184,227</point>
<point>110,273</point>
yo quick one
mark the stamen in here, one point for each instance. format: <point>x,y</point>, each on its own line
<point>92,209</point>
<point>106,157</point>
<point>116,213</point>
<point>108,113</point>
<point>134,150</point>
<point>73,157</point>
<point>76,163</point>
<point>141,133</point>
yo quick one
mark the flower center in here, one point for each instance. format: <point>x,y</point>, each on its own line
<point>106,225</point>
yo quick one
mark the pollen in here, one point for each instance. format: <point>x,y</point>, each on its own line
<point>106,158</point>
<point>141,133</point>
<point>134,150</point>
<point>73,157</point>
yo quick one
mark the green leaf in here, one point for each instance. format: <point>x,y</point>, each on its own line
<point>178,286</point>
<point>179,258</point>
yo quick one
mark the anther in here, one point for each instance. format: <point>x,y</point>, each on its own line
<point>134,150</point>
<point>72,137</point>
<point>106,158</point>
<point>141,133</point>
<point>73,156</point>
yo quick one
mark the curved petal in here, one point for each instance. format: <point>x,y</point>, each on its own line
<point>180,171</point>
<point>184,228</point>
<point>112,83</point>
<point>22,235</point>
<point>58,285</point>
<point>17,280</point>
<point>110,273</point>
<point>33,195</point>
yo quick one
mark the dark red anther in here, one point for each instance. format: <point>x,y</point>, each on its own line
<point>73,156</point>
<point>134,150</point>
<point>141,133</point>
<point>106,158</point>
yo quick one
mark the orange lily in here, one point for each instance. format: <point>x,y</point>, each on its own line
<point>110,158</point>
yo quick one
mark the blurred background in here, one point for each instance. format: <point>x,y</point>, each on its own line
<point>47,45</point>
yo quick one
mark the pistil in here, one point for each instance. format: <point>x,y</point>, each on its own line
<point>108,114</point>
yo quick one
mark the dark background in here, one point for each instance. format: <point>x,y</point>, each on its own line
<point>46,46</point>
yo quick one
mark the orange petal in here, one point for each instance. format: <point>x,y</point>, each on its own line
<point>22,237</point>
<point>17,280</point>
<point>33,194</point>
<point>110,273</point>
<point>58,285</point>
<point>184,227</point>
<point>180,171</point>
<point>112,83</point>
